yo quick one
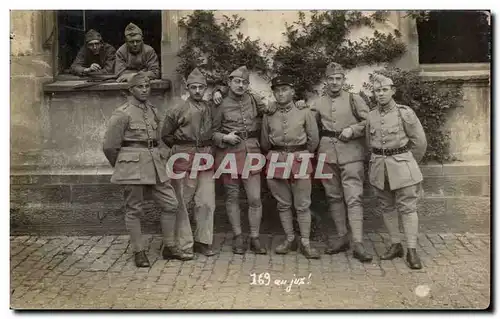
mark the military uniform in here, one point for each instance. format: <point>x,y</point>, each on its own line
<point>244,115</point>
<point>290,131</point>
<point>344,160</point>
<point>397,141</point>
<point>146,60</point>
<point>85,58</point>
<point>133,147</point>
<point>188,127</point>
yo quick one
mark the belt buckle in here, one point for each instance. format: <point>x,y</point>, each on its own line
<point>244,135</point>
<point>150,144</point>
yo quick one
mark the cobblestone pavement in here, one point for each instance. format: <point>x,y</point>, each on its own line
<point>98,273</point>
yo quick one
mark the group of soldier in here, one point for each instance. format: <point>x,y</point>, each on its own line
<point>100,58</point>
<point>237,122</point>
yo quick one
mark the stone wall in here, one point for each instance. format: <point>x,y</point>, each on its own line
<point>31,67</point>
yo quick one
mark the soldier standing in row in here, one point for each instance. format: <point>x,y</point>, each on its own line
<point>237,122</point>
<point>188,127</point>
<point>133,147</point>
<point>290,132</point>
<point>134,56</point>
<point>397,141</point>
<point>341,119</point>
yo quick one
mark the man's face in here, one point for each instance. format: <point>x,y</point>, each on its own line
<point>94,46</point>
<point>134,43</point>
<point>384,93</point>
<point>283,94</point>
<point>238,85</point>
<point>196,91</point>
<point>141,91</point>
<point>335,82</point>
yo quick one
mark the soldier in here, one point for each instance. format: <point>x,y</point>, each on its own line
<point>341,119</point>
<point>96,57</point>
<point>188,126</point>
<point>397,141</point>
<point>290,132</point>
<point>237,122</point>
<point>135,56</point>
<point>132,146</point>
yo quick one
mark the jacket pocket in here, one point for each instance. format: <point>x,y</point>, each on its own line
<point>127,167</point>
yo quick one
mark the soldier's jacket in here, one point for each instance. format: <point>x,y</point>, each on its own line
<point>289,126</point>
<point>392,128</point>
<point>242,114</point>
<point>134,121</point>
<point>85,58</point>
<point>188,121</point>
<point>336,114</point>
<point>146,60</point>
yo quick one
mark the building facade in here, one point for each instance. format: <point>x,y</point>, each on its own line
<point>59,175</point>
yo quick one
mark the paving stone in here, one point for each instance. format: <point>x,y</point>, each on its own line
<point>96,273</point>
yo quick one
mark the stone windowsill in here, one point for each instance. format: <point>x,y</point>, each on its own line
<point>456,72</point>
<point>71,86</point>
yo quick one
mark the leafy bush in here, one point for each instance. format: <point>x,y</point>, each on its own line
<point>217,48</point>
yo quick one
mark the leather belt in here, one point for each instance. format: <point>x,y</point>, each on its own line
<point>330,133</point>
<point>390,151</point>
<point>289,148</point>
<point>140,144</point>
<point>245,134</point>
<point>193,143</point>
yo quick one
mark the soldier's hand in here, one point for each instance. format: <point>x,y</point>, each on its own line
<point>95,67</point>
<point>232,138</point>
<point>217,98</point>
<point>271,108</point>
<point>346,134</point>
<point>86,70</point>
<point>301,104</point>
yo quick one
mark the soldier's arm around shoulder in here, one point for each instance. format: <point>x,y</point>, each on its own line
<point>114,135</point>
<point>414,131</point>
<point>170,124</point>
<point>217,135</point>
<point>361,110</point>
<point>311,130</point>
<point>265,145</point>
<point>262,107</point>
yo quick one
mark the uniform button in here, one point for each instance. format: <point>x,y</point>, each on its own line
<point>333,110</point>
<point>382,122</point>
<point>383,135</point>
<point>383,142</point>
